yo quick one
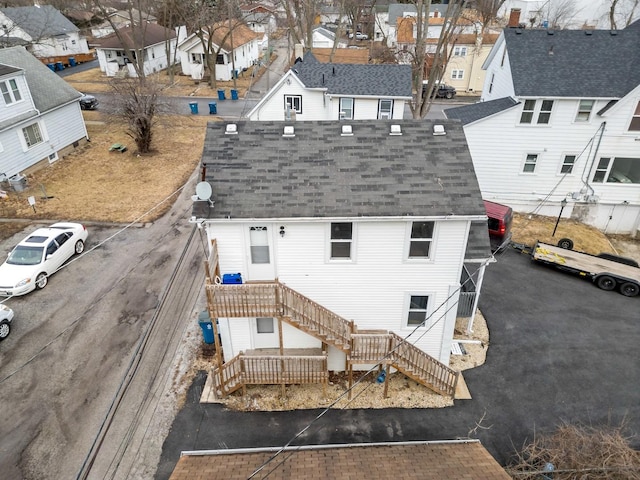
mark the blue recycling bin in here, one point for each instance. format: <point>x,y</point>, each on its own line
<point>204,320</point>
<point>72,62</point>
<point>59,66</point>
<point>213,108</point>
<point>234,94</point>
<point>51,66</point>
<point>220,94</point>
<point>194,107</point>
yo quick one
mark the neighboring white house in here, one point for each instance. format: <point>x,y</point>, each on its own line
<point>560,121</point>
<point>40,117</point>
<point>150,41</point>
<point>312,90</point>
<point>377,222</point>
<point>325,38</point>
<point>44,29</point>
<point>236,51</point>
<point>259,17</point>
<point>121,19</point>
<point>568,13</point>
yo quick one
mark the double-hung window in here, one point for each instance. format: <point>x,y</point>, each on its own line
<point>530,163</point>
<point>540,111</point>
<point>32,135</point>
<point>568,163</point>
<point>421,239</point>
<point>341,239</point>
<point>584,110</point>
<point>634,126</point>
<point>460,51</point>
<point>293,103</point>
<point>457,74</point>
<point>418,309</point>
<point>10,91</point>
<point>346,108</point>
<point>385,108</point>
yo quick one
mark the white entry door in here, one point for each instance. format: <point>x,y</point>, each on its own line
<point>265,333</point>
<point>261,264</point>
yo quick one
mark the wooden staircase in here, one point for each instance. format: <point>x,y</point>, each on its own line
<point>276,300</point>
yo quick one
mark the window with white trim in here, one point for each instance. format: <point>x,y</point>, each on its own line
<point>293,103</point>
<point>418,310</point>
<point>421,239</point>
<point>32,135</point>
<point>541,111</point>
<point>459,51</point>
<point>568,163</point>
<point>457,74</point>
<point>634,126</point>
<point>10,91</point>
<point>259,245</point>
<point>346,108</point>
<point>385,108</point>
<point>493,76</point>
<point>341,238</point>
<point>530,163</point>
<point>621,170</point>
<point>584,110</point>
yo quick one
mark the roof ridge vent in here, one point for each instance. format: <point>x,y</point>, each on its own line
<point>395,130</point>
<point>347,131</point>
<point>438,130</point>
<point>614,32</point>
<point>231,129</point>
<point>588,32</point>
<point>289,131</point>
<point>550,32</point>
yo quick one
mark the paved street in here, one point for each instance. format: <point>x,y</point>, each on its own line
<point>561,351</point>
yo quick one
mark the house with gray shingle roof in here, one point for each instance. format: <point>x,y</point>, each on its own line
<point>381,223</point>
<point>312,90</point>
<point>47,32</point>
<point>559,121</point>
<point>40,117</point>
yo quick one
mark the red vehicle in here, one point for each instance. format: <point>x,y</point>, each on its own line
<point>500,218</point>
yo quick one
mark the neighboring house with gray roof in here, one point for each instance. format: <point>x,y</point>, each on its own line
<point>151,41</point>
<point>40,117</point>
<point>560,121</point>
<point>312,90</point>
<point>377,222</point>
<point>47,32</point>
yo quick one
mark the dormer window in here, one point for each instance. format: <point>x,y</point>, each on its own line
<point>10,91</point>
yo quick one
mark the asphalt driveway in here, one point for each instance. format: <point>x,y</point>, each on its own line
<point>561,351</point>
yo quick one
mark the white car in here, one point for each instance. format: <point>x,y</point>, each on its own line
<point>6,315</point>
<point>40,255</point>
<point>360,36</point>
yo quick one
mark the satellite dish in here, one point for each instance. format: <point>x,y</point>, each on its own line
<point>203,191</point>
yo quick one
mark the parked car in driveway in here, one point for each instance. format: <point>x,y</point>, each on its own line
<point>88,102</point>
<point>359,36</point>
<point>40,255</point>
<point>6,315</point>
<point>442,90</point>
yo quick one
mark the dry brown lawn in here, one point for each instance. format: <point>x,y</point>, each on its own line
<point>94,184</point>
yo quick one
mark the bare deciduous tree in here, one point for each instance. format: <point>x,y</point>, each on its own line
<point>622,12</point>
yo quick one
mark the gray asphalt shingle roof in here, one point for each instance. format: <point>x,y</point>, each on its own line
<point>47,89</point>
<point>40,21</point>
<point>258,173</point>
<point>476,111</point>
<point>574,63</point>
<point>355,79</point>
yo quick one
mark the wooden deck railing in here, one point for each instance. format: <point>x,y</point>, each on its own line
<point>369,348</point>
<point>245,370</point>
<point>246,300</point>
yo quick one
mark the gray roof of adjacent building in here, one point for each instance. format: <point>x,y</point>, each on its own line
<point>40,21</point>
<point>355,79</point>
<point>477,111</point>
<point>47,89</point>
<point>574,63</point>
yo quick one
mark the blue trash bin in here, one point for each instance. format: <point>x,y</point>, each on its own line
<point>72,62</point>
<point>59,66</point>
<point>234,94</point>
<point>213,108</point>
<point>220,94</point>
<point>194,107</point>
<point>51,66</point>
<point>204,320</point>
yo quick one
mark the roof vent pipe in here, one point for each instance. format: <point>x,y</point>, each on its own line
<point>334,71</point>
<point>323,79</point>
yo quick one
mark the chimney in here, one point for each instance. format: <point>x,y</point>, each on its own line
<point>298,51</point>
<point>514,18</point>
